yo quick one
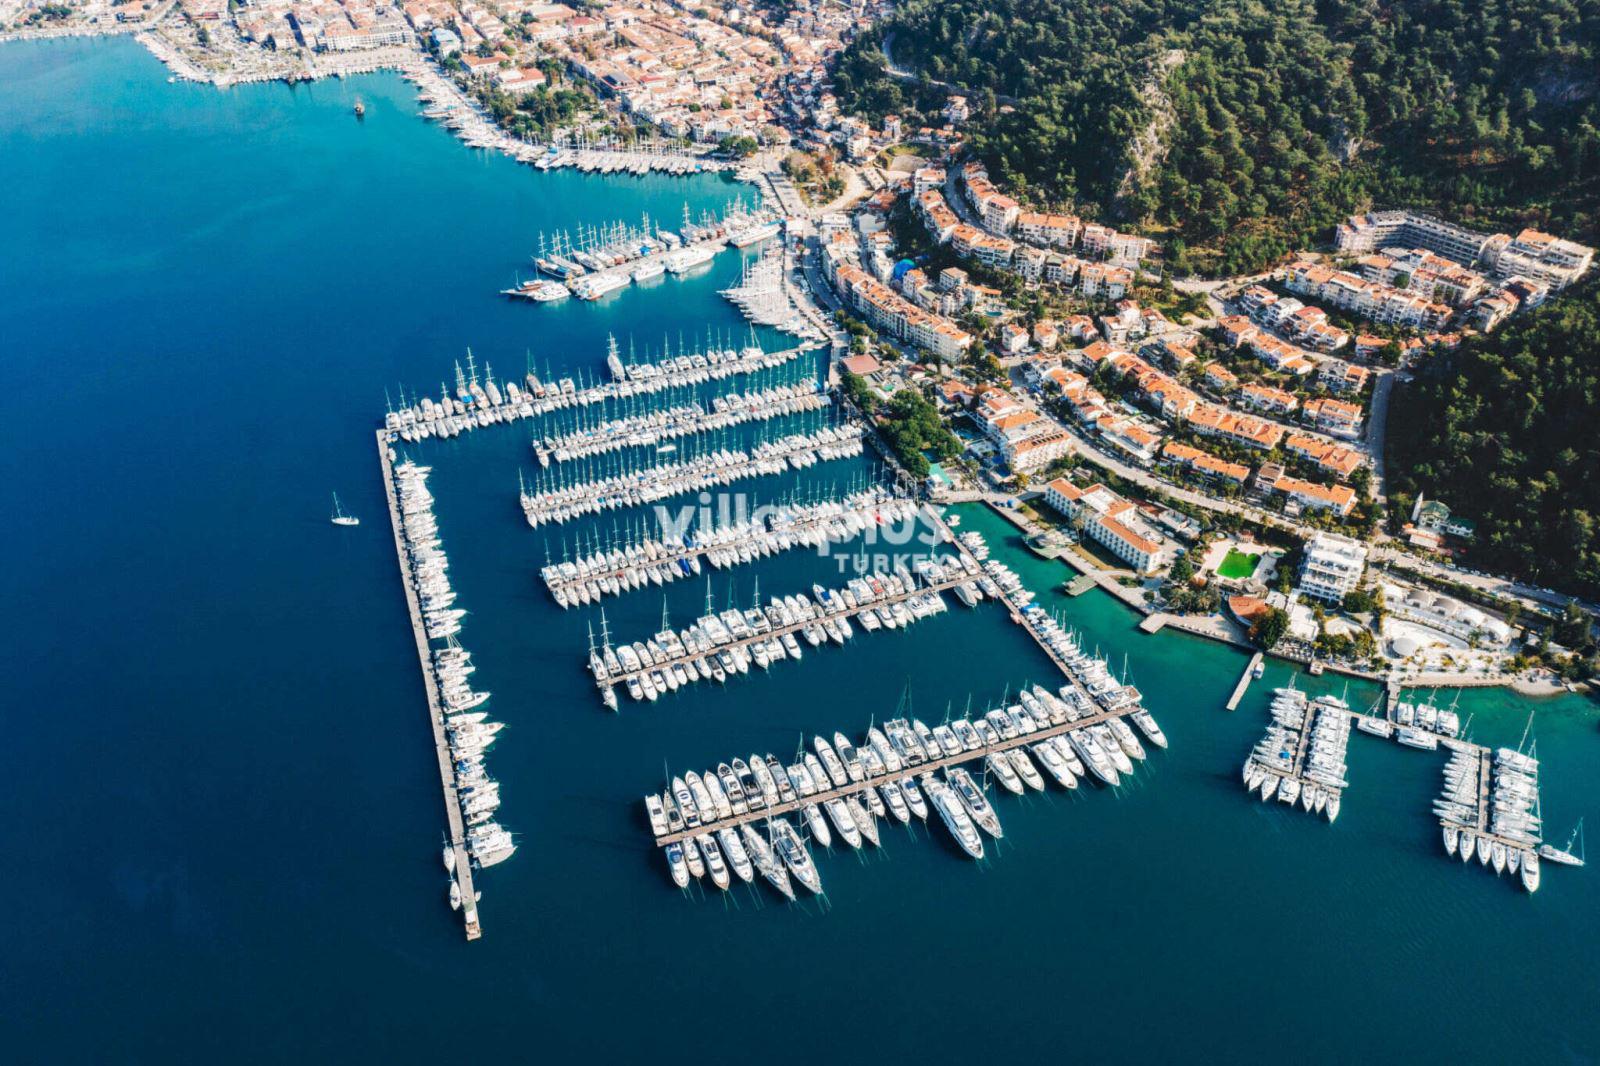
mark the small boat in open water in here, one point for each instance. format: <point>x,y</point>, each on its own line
<point>339,517</point>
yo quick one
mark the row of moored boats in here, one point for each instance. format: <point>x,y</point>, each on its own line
<point>468,730</point>
<point>549,502</point>
<point>1506,836</point>
<point>734,819</point>
<point>611,571</point>
<point>477,404</point>
<point>1302,756</point>
<point>665,424</point>
<point>719,645</point>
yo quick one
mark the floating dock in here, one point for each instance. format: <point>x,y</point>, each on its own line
<point>447,779</point>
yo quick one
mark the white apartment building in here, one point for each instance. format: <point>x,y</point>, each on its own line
<point>1332,566</point>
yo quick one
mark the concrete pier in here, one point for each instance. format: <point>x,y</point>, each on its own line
<point>447,776</point>
<point>1244,682</point>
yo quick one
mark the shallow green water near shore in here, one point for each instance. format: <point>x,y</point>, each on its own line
<point>224,807</point>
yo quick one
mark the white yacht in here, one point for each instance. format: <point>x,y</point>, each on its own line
<point>954,815</point>
<point>975,801</point>
<point>786,842</point>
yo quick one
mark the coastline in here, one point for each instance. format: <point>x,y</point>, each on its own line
<point>1216,629</point>
<point>470,124</point>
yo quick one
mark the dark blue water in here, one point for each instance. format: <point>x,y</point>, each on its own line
<point>223,808</point>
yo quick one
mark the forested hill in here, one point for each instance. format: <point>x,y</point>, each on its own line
<point>1505,432</point>
<point>1274,119</point>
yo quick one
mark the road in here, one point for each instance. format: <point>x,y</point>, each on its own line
<point>1378,431</point>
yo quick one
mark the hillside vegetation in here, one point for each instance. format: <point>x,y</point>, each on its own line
<point>1504,431</point>
<point>1281,117</point>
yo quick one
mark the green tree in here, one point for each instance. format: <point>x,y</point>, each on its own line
<point>1270,627</point>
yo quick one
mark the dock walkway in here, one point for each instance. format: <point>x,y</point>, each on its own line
<point>447,777</point>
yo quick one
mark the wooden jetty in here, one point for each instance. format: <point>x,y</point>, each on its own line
<point>447,775</point>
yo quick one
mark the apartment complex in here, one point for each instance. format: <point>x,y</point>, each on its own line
<point>1530,254</point>
<point>1113,522</point>
<point>888,311</point>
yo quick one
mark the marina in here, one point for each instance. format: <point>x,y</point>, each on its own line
<point>1489,805</point>
<point>636,563</point>
<point>163,849</point>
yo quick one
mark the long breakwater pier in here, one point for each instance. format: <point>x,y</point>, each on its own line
<point>479,403</point>
<point>436,706</point>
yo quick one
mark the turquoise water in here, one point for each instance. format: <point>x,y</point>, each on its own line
<point>224,810</point>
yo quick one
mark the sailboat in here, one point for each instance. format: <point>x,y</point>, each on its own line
<point>339,517</point>
<point>1566,856</point>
